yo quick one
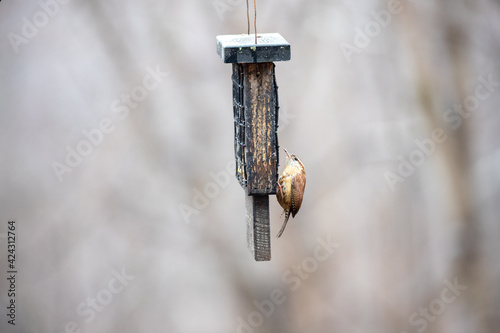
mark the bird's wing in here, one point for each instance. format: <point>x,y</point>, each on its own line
<point>298,186</point>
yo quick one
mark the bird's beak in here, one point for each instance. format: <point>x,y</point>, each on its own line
<point>287,154</point>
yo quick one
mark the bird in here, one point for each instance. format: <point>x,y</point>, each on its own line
<point>291,186</point>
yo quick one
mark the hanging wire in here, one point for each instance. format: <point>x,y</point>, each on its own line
<point>255,19</point>
<point>248,19</point>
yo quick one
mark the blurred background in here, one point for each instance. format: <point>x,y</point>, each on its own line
<point>116,143</point>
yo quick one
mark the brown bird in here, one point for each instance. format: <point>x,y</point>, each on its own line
<point>291,185</point>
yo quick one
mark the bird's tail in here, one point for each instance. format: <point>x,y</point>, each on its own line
<point>287,215</point>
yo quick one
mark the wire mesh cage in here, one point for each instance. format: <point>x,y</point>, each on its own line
<point>256,109</point>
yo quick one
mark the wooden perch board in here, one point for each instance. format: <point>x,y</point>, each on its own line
<point>258,227</point>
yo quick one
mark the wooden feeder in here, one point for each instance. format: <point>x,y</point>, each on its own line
<point>255,111</point>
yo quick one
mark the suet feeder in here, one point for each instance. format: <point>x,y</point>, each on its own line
<point>255,112</point>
